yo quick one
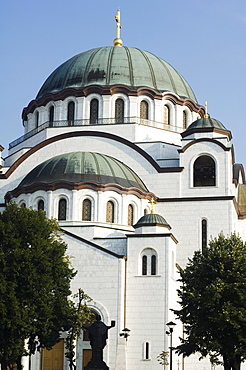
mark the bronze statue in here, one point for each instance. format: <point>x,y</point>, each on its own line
<point>98,335</point>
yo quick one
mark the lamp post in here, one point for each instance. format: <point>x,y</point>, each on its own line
<point>125,333</point>
<point>171,325</point>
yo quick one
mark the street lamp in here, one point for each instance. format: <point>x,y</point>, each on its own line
<point>171,325</point>
<point>125,333</point>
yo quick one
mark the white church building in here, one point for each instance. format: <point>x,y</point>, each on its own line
<point>112,131</point>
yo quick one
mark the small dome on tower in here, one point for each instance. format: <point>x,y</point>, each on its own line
<point>152,219</point>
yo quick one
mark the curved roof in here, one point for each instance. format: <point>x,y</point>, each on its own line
<point>152,219</point>
<point>112,65</point>
<point>80,167</point>
<point>206,122</point>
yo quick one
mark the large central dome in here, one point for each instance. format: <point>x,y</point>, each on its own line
<point>114,65</point>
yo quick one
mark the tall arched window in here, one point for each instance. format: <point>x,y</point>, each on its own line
<point>166,115</point>
<point>62,209</point>
<point>51,115</point>
<point>145,211</point>
<point>119,110</point>
<point>144,109</point>
<point>110,212</point>
<point>36,119</point>
<point>184,120</point>
<point>204,234</point>
<point>86,211</point>
<point>94,111</point>
<point>130,215</point>
<point>144,265</point>
<point>41,204</point>
<point>146,351</point>
<point>70,113</point>
<point>204,171</point>
<point>153,264</point>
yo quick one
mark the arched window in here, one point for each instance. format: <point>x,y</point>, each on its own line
<point>184,120</point>
<point>130,215</point>
<point>166,115</point>
<point>110,212</point>
<point>70,113</point>
<point>41,204</point>
<point>204,234</point>
<point>149,262</point>
<point>86,211</point>
<point>145,211</point>
<point>144,109</point>
<point>62,209</point>
<point>94,111</point>
<point>146,351</point>
<point>153,264</point>
<point>23,204</point>
<point>144,265</point>
<point>204,171</point>
<point>51,115</point>
<point>119,110</point>
<point>36,119</point>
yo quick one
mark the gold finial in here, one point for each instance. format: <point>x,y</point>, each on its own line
<point>118,41</point>
<point>206,109</point>
<point>152,202</point>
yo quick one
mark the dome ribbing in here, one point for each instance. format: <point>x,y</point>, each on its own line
<point>107,66</point>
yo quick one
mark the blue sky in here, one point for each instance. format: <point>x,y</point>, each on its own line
<point>204,40</point>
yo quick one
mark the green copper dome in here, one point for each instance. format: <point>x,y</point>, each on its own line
<point>112,65</point>
<point>152,219</point>
<point>80,167</point>
<point>206,122</point>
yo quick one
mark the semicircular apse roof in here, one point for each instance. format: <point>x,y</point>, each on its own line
<point>111,65</point>
<point>77,167</point>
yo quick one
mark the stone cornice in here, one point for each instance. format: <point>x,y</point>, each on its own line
<point>88,133</point>
<point>77,186</point>
<point>110,90</point>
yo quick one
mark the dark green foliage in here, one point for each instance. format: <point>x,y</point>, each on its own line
<point>213,301</point>
<point>35,283</point>
<point>82,315</point>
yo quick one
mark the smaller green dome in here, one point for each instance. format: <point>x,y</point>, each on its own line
<point>206,122</point>
<point>152,219</point>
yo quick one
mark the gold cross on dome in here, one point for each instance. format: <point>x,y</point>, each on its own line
<point>206,109</point>
<point>118,41</point>
<point>152,202</point>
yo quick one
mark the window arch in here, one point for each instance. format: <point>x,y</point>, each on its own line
<point>62,209</point>
<point>119,110</point>
<point>204,171</point>
<point>110,212</point>
<point>204,234</point>
<point>149,262</point>
<point>153,264</point>
<point>94,105</point>
<point>166,115</point>
<point>36,119</point>
<point>70,113</point>
<point>146,351</point>
<point>51,115</point>
<point>184,119</point>
<point>144,265</point>
<point>144,109</point>
<point>146,212</point>
<point>130,214</point>
<point>86,210</point>
<point>41,205</point>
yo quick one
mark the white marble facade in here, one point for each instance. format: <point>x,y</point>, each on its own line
<point>109,255</point>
